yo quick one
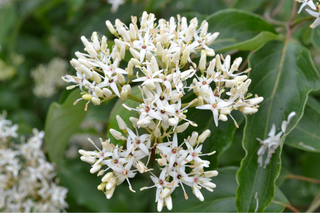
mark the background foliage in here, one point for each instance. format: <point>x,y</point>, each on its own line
<point>285,60</point>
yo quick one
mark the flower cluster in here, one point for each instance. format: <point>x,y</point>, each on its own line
<point>273,141</point>
<point>315,12</point>
<point>47,77</point>
<point>26,176</point>
<point>162,63</point>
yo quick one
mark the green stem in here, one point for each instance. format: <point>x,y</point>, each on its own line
<point>135,98</point>
<point>298,177</point>
<point>315,203</point>
<point>302,20</point>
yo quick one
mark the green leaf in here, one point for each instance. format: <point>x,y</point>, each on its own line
<point>249,5</point>
<point>82,187</point>
<point>306,135</point>
<point>61,122</point>
<point>222,199</point>
<point>240,30</point>
<point>315,35</point>
<point>8,17</point>
<point>124,113</point>
<point>283,74</point>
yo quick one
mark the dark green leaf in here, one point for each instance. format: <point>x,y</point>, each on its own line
<point>249,5</point>
<point>283,74</point>
<point>61,122</point>
<point>306,135</point>
<point>222,199</point>
<point>240,30</point>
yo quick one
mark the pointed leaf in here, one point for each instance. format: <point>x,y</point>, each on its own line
<point>240,30</point>
<point>283,74</point>
<point>61,122</point>
<point>306,135</point>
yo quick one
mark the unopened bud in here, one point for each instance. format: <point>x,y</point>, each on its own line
<point>86,71</point>
<point>98,91</point>
<point>96,77</point>
<point>249,110</point>
<point>193,139</point>
<point>95,168</point>
<point>121,123</point>
<point>223,117</point>
<point>117,135</point>
<point>182,127</point>
<point>204,136</point>
<point>255,101</point>
<point>107,92</point>
<point>111,28</point>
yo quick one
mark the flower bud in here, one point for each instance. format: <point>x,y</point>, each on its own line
<point>95,168</point>
<point>110,192</point>
<point>157,133</point>
<point>95,101</point>
<point>159,50</point>
<point>135,53</point>
<point>96,77</point>
<point>204,136</point>
<point>249,110</point>
<point>121,123</point>
<point>117,135</point>
<point>182,127</point>
<point>107,92</point>
<point>130,69</point>
<point>107,177</point>
<point>172,121</point>
<point>98,91</point>
<point>111,28</point>
<point>255,101</point>
<point>134,121</point>
<point>88,159</point>
<point>209,174</point>
<point>86,71</point>
<point>121,78</point>
<point>87,97</point>
<point>193,139</point>
<point>223,117</point>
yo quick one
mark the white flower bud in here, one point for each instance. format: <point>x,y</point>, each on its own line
<point>165,193</point>
<point>107,177</point>
<point>185,56</point>
<point>193,139</point>
<point>133,32</point>
<point>225,111</point>
<point>86,71</point>
<point>164,56</point>
<point>141,167</point>
<point>95,40</point>
<point>121,78</point>
<point>148,55</point>
<point>160,204</point>
<point>111,28</point>
<point>195,86</point>
<point>95,101</point>
<point>168,201</point>
<point>223,117</point>
<point>152,125</point>
<point>210,52</point>
<point>104,44</point>
<point>209,174</point>
<point>144,122</point>
<point>125,35</point>
<point>182,127</point>
<point>150,84</point>
<point>210,185</point>
<point>176,57</point>
<point>121,123</point>
<point>101,186</point>
<point>211,38</point>
<point>162,161</point>
<point>88,159</point>
<point>134,121</point>
<point>135,53</point>
<point>161,38</point>
<point>127,87</point>
<point>204,136</point>
<point>154,64</point>
<point>70,87</point>
<point>255,101</point>
<point>95,168</point>
<point>110,192</point>
<point>75,63</point>
<point>98,91</point>
<point>83,152</point>
<point>130,69</point>
<point>96,77</point>
<point>241,78</point>
<point>110,184</point>
<point>106,92</point>
<point>117,135</point>
<point>172,121</point>
<point>249,110</point>
<point>87,97</point>
<point>136,62</point>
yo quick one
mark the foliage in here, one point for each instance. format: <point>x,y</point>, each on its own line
<point>274,41</point>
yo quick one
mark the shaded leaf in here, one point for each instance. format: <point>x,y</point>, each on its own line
<point>315,35</point>
<point>306,135</point>
<point>61,122</point>
<point>249,5</point>
<point>222,199</point>
<point>240,30</point>
<point>283,74</point>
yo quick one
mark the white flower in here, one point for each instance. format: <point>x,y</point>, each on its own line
<point>305,3</point>
<point>315,14</point>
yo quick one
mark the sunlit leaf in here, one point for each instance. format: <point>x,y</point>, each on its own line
<point>283,74</point>
<point>240,30</point>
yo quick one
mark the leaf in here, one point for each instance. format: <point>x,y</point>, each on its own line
<point>315,35</point>
<point>222,199</point>
<point>83,188</point>
<point>306,135</point>
<point>61,122</point>
<point>249,5</point>
<point>283,74</point>
<point>240,30</point>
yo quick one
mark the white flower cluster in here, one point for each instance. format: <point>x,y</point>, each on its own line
<point>162,56</point>
<point>180,165</point>
<point>47,77</point>
<point>315,12</point>
<point>273,141</point>
<point>26,178</point>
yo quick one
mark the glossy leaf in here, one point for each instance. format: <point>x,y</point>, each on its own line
<point>240,30</point>
<point>249,5</point>
<point>283,74</point>
<point>306,135</point>
<point>222,199</point>
<point>61,122</point>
